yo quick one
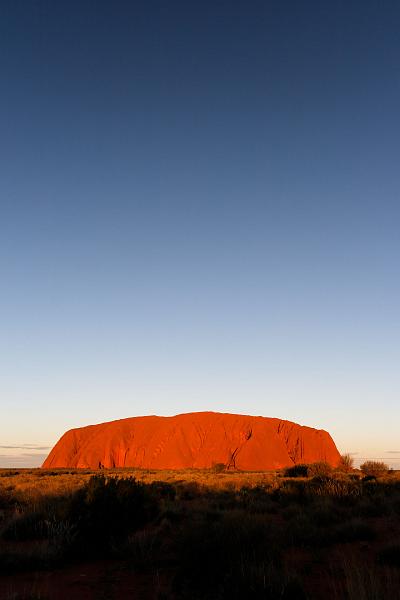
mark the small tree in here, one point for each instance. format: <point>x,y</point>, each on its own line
<point>374,468</point>
<point>346,463</point>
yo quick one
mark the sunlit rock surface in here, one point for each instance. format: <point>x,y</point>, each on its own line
<point>197,440</point>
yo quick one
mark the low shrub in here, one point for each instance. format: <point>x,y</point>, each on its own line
<point>108,509</point>
<point>162,490</point>
<point>319,469</point>
<point>218,467</point>
<point>189,490</point>
<point>255,500</point>
<point>296,471</point>
<point>346,463</point>
<point>100,515</point>
<point>344,489</point>
<point>373,468</point>
<point>9,473</point>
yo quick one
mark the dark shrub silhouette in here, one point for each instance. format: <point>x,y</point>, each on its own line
<point>218,467</point>
<point>297,471</point>
<point>108,509</point>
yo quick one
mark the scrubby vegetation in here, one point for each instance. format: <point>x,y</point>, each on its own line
<point>346,463</point>
<point>373,468</point>
<point>318,469</point>
<point>308,532</point>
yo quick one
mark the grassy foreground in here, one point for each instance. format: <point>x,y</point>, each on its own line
<point>199,534</point>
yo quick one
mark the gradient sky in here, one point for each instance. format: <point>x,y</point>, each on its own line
<point>199,210</point>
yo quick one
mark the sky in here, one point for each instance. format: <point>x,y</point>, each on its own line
<point>199,210</point>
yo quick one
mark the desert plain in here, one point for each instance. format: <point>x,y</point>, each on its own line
<point>307,531</point>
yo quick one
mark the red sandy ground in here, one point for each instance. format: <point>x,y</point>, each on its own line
<point>193,440</point>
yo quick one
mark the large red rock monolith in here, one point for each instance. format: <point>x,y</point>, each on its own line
<point>193,440</point>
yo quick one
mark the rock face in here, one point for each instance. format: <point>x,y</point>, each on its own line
<point>196,440</point>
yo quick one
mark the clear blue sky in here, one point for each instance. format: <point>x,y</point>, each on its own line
<point>200,210</point>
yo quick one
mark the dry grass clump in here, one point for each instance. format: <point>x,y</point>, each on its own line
<point>346,463</point>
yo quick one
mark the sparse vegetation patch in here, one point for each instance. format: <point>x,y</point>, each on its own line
<point>207,534</point>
